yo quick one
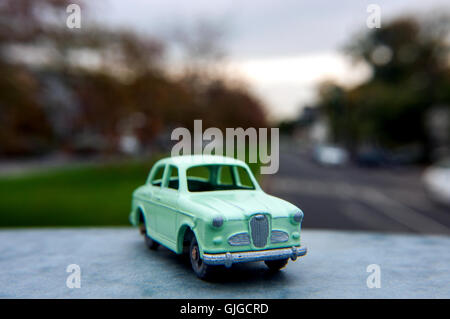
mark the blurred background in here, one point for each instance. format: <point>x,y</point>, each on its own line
<point>364,114</point>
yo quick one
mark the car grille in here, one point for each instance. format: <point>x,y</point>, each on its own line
<point>279,236</point>
<point>240,239</point>
<point>259,228</point>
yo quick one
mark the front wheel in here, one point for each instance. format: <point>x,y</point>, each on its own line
<point>276,265</point>
<point>202,270</point>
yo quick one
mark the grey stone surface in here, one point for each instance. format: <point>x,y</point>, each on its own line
<point>116,264</point>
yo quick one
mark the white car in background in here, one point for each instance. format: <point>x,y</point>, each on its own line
<point>330,155</point>
<point>437,182</point>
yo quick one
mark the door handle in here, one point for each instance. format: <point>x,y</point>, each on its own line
<point>157,198</point>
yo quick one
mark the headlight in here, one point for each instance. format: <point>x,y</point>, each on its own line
<point>298,217</point>
<point>217,221</point>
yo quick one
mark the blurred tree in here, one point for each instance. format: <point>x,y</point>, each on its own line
<point>409,60</point>
<point>85,88</point>
<point>24,127</point>
<point>333,102</point>
<point>201,48</point>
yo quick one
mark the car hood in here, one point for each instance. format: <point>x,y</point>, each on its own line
<point>241,204</point>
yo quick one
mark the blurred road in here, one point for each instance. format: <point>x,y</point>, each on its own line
<point>355,198</point>
<point>115,263</point>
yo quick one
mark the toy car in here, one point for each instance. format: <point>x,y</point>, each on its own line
<point>213,208</point>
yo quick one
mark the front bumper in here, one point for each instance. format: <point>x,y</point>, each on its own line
<point>228,258</point>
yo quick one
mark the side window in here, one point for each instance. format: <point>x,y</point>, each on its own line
<point>173,177</point>
<point>157,177</point>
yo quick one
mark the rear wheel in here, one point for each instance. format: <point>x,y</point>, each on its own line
<point>142,228</point>
<point>151,243</point>
<point>276,265</point>
<point>202,270</point>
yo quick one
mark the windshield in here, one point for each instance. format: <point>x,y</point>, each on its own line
<point>218,177</point>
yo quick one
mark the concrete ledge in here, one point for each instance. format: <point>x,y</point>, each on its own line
<point>116,264</point>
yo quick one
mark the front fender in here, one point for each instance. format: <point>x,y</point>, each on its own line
<point>186,223</point>
<point>134,215</point>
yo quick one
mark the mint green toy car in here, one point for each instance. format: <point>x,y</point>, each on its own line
<point>213,208</point>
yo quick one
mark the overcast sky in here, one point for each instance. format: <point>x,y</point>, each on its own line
<point>282,48</point>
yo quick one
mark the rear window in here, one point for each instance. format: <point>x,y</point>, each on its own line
<point>226,175</point>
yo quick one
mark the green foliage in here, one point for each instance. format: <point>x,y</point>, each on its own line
<point>78,196</point>
<point>64,104</point>
<point>71,197</point>
<point>409,60</point>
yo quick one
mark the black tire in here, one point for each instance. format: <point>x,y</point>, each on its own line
<point>275,265</point>
<point>151,244</point>
<point>142,229</point>
<point>202,270</point>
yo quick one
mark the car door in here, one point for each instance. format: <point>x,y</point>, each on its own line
<point>169,196</point>
<point>152,203</point>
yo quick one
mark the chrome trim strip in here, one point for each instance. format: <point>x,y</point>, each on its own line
<point>279,236</point>
<point>229,258</point>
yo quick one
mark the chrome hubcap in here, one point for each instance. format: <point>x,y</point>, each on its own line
<point>195,254</point>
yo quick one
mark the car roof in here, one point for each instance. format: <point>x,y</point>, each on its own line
<point>193,160</point>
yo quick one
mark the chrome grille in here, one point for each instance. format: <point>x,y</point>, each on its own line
<point>259,227</point>
<point>278,236</point>
<point>240,239</point>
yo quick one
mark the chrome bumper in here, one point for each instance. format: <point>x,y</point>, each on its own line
<point>228,259</point>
